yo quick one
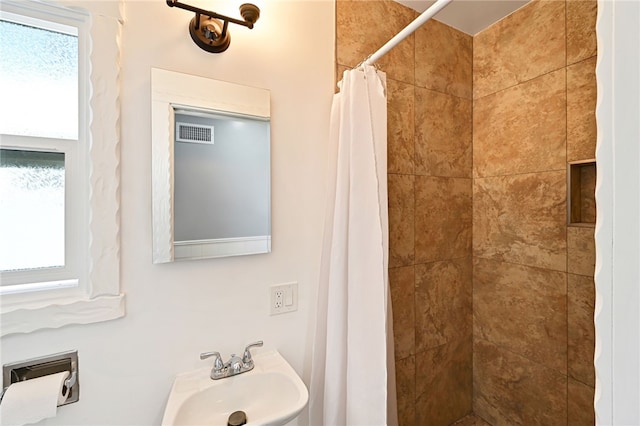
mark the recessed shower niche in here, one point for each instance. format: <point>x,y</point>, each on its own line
<point>582,187</point>
<point>211,168</point>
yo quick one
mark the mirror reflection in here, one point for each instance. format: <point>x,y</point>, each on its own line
<point>221,184</point>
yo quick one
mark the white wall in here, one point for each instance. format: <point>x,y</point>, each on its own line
<point>617,313</point>
<point>175,311</point>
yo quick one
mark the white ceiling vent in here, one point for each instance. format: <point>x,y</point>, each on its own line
<point>194,133</point>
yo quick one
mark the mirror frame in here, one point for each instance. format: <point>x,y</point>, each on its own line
<point>169,91</point>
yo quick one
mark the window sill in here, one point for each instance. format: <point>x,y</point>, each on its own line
<point>55,315</point>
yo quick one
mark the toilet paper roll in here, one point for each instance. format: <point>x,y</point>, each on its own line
<point>33,400</point>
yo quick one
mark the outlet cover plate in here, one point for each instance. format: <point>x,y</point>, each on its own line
<point>283,298</point>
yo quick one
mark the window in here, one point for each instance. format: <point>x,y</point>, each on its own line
<point>32,210</point>
<point>41,197</point>
<point>49,160</point>
<point>39,77</point>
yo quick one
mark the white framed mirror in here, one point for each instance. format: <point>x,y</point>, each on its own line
<point>210,168</point>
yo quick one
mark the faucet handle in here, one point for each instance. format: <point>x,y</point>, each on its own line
<point>217,362</point>
<point>246,357</point>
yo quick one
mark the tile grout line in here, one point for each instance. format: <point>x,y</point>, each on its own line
<point>533,361</point>
<point>567,201</point>
<point>522,82</point>
<point>566,204</point>
<point>473,268</point>
<point>541,268</point>
<point>413,225</point>
<point>521,173</point>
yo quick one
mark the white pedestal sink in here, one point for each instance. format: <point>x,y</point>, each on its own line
<point>270,394</point>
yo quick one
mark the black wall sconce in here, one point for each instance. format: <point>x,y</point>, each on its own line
<point>209,30</point>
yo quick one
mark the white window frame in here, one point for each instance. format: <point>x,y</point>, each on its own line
<point>39,280</point>
<point>60,282</point>
<point>94,167</point>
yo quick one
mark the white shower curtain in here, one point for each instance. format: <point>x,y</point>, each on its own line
<point>353,375</point>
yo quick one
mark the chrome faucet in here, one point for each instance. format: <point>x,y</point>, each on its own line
<point>234,366</point>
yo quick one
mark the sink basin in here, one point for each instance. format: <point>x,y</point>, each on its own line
<point>270,394</point>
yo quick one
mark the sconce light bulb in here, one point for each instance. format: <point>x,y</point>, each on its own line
<point>210,32</point>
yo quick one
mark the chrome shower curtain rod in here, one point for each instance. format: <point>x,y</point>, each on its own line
<point>414,25</point>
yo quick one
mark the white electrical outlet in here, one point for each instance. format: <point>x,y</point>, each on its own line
<point>278,298</point>
<point>284,298</point>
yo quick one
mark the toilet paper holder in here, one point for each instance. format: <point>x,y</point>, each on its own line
<point>43,366</point>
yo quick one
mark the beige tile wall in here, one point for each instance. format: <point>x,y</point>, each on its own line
<point>533,301</point>
<point>581,103</point>
<point>429,81</point>
<point>521,129</point>
<point>508,53</point>
<point>510,389</point>
<point>480,130</point>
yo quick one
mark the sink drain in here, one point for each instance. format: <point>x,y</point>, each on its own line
<point>237,418</point>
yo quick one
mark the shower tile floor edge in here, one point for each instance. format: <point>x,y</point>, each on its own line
<point>471,420</point>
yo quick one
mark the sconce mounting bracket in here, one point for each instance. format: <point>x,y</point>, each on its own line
<point>208,34</point>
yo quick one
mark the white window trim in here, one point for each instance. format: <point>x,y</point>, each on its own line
<point>101,298</point>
